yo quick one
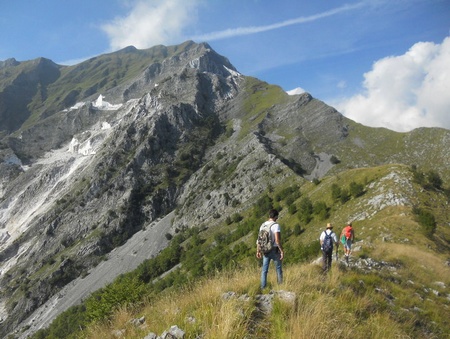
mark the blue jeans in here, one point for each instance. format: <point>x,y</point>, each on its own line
<point>275,256</point>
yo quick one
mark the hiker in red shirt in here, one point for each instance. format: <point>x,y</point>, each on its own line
<point>347,236</point>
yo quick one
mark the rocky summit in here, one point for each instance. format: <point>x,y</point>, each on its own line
<point>103,162</point>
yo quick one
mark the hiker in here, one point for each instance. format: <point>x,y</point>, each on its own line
<point>347,236</point>
<point>276,251</point>
<point>327,240</point>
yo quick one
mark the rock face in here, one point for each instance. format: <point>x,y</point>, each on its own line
<point>91,154</point>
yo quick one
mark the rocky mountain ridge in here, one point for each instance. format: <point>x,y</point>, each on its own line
<point>101,150</point>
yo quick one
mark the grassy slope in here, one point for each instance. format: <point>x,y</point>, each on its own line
<point>400,298</point>
<point>344,303</point>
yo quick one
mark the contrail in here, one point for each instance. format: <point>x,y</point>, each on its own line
<point>232,32</point>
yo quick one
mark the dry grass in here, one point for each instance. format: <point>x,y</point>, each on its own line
<point>199,309</point>
<point>328,306</point>
<point>423,266</point>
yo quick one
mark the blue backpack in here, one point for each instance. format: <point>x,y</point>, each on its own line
<point>327,244</point>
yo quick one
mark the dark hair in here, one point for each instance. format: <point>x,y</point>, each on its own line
<point>273,213</point>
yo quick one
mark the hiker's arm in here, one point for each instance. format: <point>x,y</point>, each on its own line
<point>336,241</point>
<point>278,242</point>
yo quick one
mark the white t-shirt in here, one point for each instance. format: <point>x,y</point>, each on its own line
<point>333,236</point>
<point>273,229</point>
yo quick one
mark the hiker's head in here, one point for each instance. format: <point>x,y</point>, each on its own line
<point>273,214</point>
<point>329,225</point>
<point>349,223</point>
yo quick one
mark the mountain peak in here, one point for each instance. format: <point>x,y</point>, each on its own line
<point>128,49</point>
<point>8,63</point>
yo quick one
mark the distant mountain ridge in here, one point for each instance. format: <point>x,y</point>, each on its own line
<point>90,154</point>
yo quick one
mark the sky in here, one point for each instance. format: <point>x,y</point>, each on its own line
<point>382,63</point>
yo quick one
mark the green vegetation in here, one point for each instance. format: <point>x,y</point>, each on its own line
<point>261,97</point>
<point>354,303</point>
<point>428,180</point>
<point>426,220</point>
<point>360,302</point>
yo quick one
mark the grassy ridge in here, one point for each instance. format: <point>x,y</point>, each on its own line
<point>344,303</point>
<point>395,288</point>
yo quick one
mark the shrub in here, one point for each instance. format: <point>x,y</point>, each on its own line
<point>237,217</point>
<point>335,192</point>
<point>334,160</point>
<point>419,178</point>
<point>290,193</point>
<point>321,210</point>
<point>356,190</point>
<point>345,196</point>
<point>298,229</point>
<point>426,220</point>
<point>263,205</point>
<point>305,210</point>
<point>292,209</point>
<point>434,179</point>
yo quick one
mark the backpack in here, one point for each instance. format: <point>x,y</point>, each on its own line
<point>265,241</point>
<point>327,244</point>
<point>348,232</point>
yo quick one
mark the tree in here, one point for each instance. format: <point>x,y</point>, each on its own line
<point>334,160</point>
<point>335,192</point>
<point>345,196</point>
<point>305,210</point>
<point>292,209</point>
<point>263,206</point>
<point>418,177</point>
<point>321,210</point>
<point>426,220</point>
<point>297,229</point>
<point>356,190</point>
<point>434,179</point>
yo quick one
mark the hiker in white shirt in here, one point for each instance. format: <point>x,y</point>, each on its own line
<point>327,247</point>
<point>276,253</point>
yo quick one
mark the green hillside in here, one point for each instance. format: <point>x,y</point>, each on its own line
<point>396,285</point>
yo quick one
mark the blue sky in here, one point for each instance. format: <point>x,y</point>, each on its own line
<point>383,63</point>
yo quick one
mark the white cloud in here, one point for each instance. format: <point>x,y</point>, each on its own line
<point>405,92</point>
<point>151,23</point>
<point>297,90</point>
